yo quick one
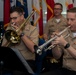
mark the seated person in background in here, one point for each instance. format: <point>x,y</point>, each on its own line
<point>68,46</point>
<point>57,23</point>
<point>28,34</point>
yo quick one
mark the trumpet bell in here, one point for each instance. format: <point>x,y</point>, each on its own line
<point>12,37</point>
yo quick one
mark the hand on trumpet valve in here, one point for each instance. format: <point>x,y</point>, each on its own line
<point>60,40</point>
<point>54,34</point>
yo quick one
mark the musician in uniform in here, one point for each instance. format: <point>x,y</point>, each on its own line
<point>28,34</point>
<point>68,47</point>
<point>57,23</point>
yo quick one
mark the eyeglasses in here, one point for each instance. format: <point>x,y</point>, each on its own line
<point>14,18</point>
<point>57,9</point>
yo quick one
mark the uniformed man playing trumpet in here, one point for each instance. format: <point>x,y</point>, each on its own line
<point>68,47</point>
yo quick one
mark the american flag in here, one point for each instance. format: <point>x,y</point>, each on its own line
<point>23,4</point>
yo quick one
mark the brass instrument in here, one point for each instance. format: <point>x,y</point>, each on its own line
<point>40,48</point>
<point>52,46</point>
<point>12,35</point>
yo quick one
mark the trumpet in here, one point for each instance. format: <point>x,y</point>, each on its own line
<point>12,35</point>
<point>43,46</point>
<point>52,46</point>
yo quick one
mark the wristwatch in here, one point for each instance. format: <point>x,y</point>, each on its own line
<point>22,34</point>
<point>67,46</point>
